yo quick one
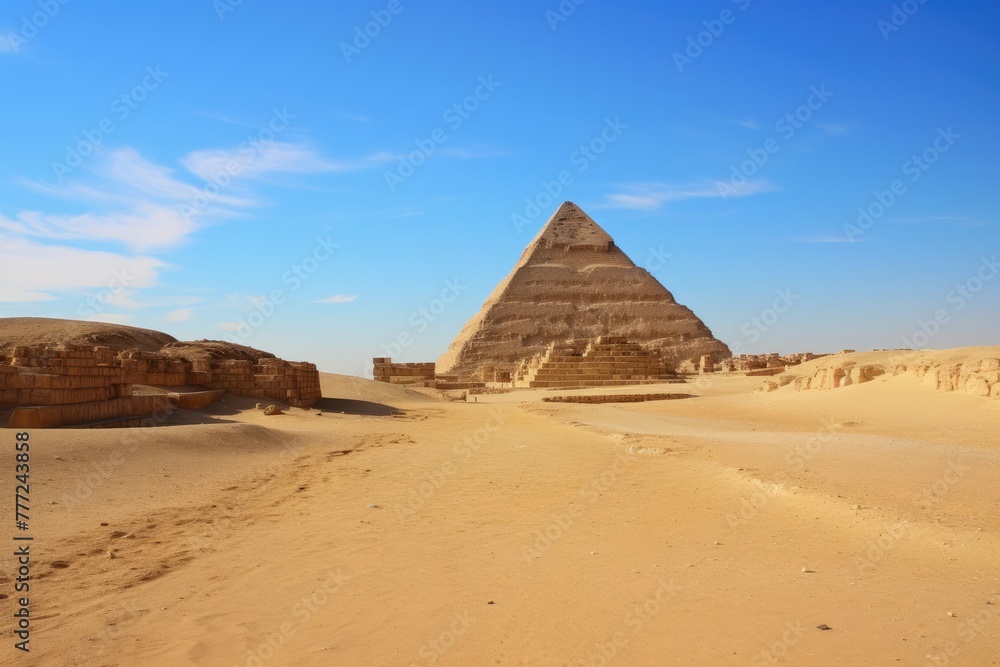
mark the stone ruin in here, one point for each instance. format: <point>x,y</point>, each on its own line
<point>420,373</point>
<point>764,364</point>
<point>974,370</point>
<point>50,385</point>
<point>573,283</point>
<point>605,362</point>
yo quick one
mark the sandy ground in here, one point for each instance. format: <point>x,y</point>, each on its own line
<point>396,529</point>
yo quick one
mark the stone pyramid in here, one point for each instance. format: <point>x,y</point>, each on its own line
<point>574,283</point>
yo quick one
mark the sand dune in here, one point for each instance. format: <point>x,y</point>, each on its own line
<point>404,530</point>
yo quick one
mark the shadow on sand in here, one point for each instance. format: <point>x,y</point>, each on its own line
<point>353,407</point>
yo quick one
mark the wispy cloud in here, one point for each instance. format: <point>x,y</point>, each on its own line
<point>361,118</point>
<point>339,298</point>
<point>143,206</point>
<point>180,315</point>
<point>834,129</point>
<point>32,271</point>
<point>229,120</point>
<point>474,152</point>
<point>648,196</point>
<point>748,123</point>
<point>276,157</point>
<point>146,227</point>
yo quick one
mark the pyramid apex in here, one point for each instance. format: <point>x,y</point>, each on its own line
<point>570,226</point>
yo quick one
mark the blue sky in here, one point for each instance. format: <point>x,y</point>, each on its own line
<point>269,173</point>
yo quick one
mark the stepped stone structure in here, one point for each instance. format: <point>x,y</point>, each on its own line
<point>608,361</point>
<point>57,385</point>
<point>410,373</point>
<point>573,283</point>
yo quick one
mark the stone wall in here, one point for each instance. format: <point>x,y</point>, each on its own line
<point>95,382</point>
<point>415,373</point>
<point>755,362</point>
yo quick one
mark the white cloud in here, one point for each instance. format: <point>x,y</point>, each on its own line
<point>647,196</point>
<point>140,205</point>
<point>228,326</point>
<point>276,157</point>
<point>361,118</point>
<point>29,271</point>
<point>146,206</point>
<point>146,227</point>
<point>339,298</point>
<point>180,315</point>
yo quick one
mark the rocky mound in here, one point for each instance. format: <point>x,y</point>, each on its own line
<point>974,370</point>
<point>15,331</point>
<point>60,372</point>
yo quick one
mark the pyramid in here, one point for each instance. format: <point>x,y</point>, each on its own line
<point>573,283</point>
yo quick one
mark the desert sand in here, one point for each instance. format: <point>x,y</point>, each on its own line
<point>388,526</point>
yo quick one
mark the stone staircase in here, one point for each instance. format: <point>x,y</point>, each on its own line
<point>606,362</point>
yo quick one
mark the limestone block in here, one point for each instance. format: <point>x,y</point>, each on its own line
<point>990,365</point>
<point>977,386</point>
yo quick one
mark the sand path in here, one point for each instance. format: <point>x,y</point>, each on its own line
<point>657,534</point>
